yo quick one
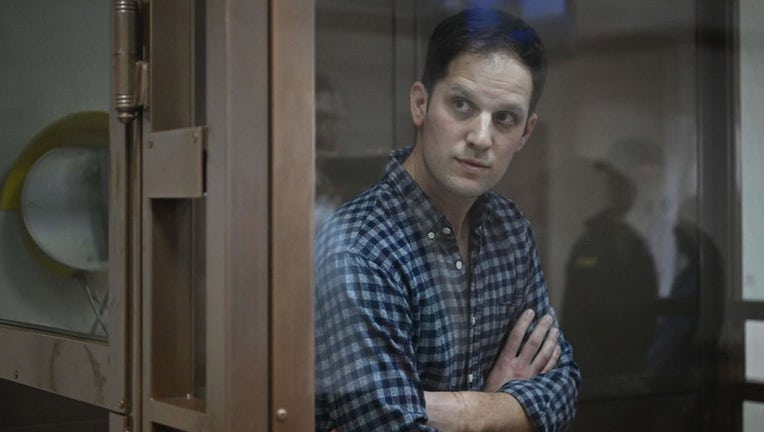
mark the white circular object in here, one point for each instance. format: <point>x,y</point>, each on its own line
<point>64,205</point>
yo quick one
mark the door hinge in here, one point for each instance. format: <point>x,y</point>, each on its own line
<point>130,74</point>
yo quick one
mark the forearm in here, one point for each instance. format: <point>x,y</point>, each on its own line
<point>475,411</point>
<point>549,399</point>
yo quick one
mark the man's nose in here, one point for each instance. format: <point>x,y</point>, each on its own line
<point>480,135</point>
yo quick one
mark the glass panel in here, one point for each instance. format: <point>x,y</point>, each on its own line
<point>754,350</point>
<point>609,183</point>
<point>753,416</point>
<point>751,150</point>
<point>618,164</point>
<point>353,135</point>
<point>609,179</point>
<point>664,413</point>
<point>54,165</point>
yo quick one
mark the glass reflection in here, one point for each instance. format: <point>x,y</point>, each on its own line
<point>612,283</point>
<point>609,181</point>
<point>354,108</point>
<point>54,166</point>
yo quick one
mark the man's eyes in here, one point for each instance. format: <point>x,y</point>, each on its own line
<point>465,107</point>
<point>504,118</point>
<point>462,105</point>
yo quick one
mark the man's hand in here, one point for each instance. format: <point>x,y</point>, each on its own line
<point>463,411</point>
<point>539,354</point>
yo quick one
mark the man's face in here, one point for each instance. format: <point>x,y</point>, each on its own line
<point>476,120</point>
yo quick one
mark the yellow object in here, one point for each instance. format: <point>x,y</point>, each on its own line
<point>81,129</point>
<point>586,262</point>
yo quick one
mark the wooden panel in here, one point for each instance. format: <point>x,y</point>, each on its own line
<point>292,204</point>
<point>237,94</point>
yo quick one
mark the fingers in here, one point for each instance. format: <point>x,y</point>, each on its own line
<point>536,339</point>
<point>547,357</point>
<point>515,339</point>
<point>553,359</point>
<point>540,353</point>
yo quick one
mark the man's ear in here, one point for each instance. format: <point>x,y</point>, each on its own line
<point>529,126</point>
<point>418,102</point>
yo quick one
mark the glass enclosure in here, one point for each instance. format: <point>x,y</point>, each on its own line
<point>750,130</point>
<point>752,152</point>
<point>54,166</point>
<point>610,181</point>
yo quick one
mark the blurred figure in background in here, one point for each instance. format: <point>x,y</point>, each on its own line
<point>609,310</point>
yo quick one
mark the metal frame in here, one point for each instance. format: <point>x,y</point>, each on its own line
<point>170,157</point>
<point>740,310</point>
<point>257,244</point>
<point>292,156</point>
<point>256,83</point>
<point>238,261</point>
<point>718,188</point>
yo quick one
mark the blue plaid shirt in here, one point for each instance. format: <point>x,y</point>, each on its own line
<point>398,313</point>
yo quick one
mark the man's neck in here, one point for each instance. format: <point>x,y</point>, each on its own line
<point>455,209</point>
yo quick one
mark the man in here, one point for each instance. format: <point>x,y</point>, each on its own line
<point>611,268</point>
<point>424,278</point>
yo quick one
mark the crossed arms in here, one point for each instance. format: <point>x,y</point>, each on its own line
<point>491,410</point>
<point>370,375</point>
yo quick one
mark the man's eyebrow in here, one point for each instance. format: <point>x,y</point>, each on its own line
<point>512,107</point>
<point>459,90</point>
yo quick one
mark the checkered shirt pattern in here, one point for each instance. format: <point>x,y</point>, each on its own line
<point>398,313</point>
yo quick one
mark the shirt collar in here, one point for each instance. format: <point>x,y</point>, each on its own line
<point>429,218</point>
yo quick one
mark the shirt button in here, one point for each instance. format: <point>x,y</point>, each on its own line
<point>430,235</point>
<point>458,265</point>
<point>446,230</point>
<point>470,378</point>
<point>474,320</point>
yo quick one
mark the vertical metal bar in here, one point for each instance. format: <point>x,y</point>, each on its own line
<point>292,150</point>
<point>718,189</point>
<point>125,52</point>
<point>237,118</point>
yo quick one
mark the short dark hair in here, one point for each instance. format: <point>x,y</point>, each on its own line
<point>485,31</point>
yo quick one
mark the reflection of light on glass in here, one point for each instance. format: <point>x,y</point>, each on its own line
<point>751,91</point>
<point>533,9</point>
<point>753,416</point>
<point>754,350</point>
